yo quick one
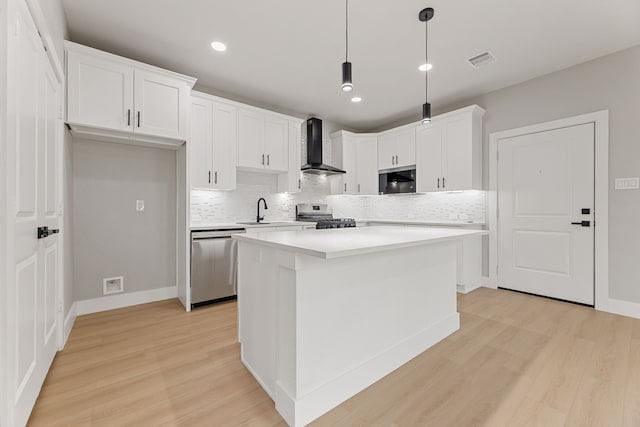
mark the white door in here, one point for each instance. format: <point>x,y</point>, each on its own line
<point>276,144</point>
<point>387,151</point>
<point>457,152</point>
<point>367,165</point>
<point>225,141</point>
<point>100,92</point>
<point>200,143</point>
<point>545,187</point>
<point>429,140</point>
<point>251,139</point>
<point>33,155</point>
<point>160,105</point>
<point>406,147</point>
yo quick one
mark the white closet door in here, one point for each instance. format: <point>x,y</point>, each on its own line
<point>33,153</point>
<point>545,180</point>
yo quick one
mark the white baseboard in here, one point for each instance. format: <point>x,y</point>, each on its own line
<point>486,282</point>
<point>69,320</point>
<point>623,308</point>
<point>112,302</point>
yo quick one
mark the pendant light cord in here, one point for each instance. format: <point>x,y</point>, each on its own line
<point>346,31</point>
<point>426,59</point>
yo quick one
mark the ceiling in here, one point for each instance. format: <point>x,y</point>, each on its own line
<point>287,54</point>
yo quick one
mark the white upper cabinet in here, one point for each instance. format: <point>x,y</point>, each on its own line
<point>357,154</point>
<point>100,92</point>
<point>263,141</point>
<point>111,97</point>
<point>212,144</point>
<point>397,148</point>
<point>291,182</point>
<point>449,152</point>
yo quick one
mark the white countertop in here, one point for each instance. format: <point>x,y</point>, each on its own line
<point>336,243</point>
<point>230,225</point>
<point>452,223</point>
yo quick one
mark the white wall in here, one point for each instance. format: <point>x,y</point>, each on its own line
<point>67,226</point>
<point>110,238</point>
<point>611,82</point>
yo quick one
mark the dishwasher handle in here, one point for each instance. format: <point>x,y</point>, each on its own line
<point>215,234</point>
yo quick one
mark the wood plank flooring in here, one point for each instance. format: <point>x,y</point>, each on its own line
<point>517,360</point>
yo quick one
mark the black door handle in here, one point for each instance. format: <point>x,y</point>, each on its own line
<point>46,232</point>
<point>582,223</point>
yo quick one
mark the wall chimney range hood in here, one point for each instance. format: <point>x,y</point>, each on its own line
<point>314,163</point>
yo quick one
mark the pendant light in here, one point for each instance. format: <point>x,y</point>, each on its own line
<point>425,15</point>
<point>347,84</point>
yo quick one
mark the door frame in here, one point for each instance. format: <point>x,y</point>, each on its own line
<point>600,119</point>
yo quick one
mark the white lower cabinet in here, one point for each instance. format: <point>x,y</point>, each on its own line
<point>449,152</point>
<point>357,154</point>
<point>212,144</point>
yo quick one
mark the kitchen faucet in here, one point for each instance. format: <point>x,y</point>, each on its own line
<point>258,217</point>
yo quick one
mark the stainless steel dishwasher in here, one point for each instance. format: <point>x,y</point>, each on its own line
<point>214,265</point>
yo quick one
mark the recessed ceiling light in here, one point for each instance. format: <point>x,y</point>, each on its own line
<point>425,67</point>
<point>356,99</point>
<point>219,46</point>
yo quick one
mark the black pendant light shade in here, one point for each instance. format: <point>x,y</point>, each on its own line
<point>424,16</point>
<point>347,83</point>
<point>426,113</point>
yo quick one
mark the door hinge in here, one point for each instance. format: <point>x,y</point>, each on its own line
<point>60,306</point>
<point>60,112</point>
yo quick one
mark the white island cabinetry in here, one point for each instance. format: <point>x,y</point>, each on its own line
<point>324,314</point>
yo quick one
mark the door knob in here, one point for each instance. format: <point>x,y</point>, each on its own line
<point>46,232</point>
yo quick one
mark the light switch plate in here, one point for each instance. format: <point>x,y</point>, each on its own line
<point>139,205</point>
<point>627,183</point>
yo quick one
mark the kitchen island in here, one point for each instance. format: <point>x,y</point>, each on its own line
<point>325,313</point>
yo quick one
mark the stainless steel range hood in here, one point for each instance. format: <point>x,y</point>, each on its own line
<point>314,163</point>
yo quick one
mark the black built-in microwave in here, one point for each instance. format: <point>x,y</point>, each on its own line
<point>396,182</point>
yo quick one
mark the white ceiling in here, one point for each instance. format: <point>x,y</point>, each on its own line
<point>287,53</point>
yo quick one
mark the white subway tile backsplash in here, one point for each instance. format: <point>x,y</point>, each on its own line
<point>240,204</point>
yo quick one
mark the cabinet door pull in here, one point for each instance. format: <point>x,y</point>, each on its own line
<point>215,177</point>
<point>443,182</point>
<point>392,161</point>
<point>345,187</point>
<point>299,184</point>
<point>209,177</point>
<point>267,160</point>
<point>358,188</point>
<point>138,118</point>
<point>396,159</point>
<point>263,159</point>
<point>129,117</point>
<point>438,182</point>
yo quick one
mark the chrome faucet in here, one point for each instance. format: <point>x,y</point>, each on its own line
<point>258,217</point>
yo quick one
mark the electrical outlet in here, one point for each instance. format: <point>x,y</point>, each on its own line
<point>627,183</point>
<point>139,205</point>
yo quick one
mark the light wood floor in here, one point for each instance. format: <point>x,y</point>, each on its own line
<point>516,361</point>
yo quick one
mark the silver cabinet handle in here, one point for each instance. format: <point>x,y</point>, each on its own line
<point>138,118</point>
<point>443,182</point>
<point>129,117</point>
<point>345,187</point>
<point>438,182</point>
<point>215,179</point>
<point>392,161</point>
<point>358,188</point>
<point>396,159</point>
<point>267,160</point>
<point>263,159</point>
<point>299,184</point>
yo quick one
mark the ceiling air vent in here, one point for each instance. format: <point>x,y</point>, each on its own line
<point>481,60</point>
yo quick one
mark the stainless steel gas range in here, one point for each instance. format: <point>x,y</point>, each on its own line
<point>322,215</point>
